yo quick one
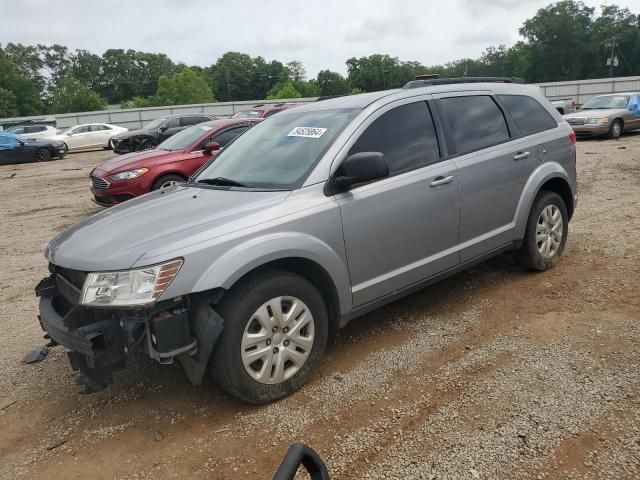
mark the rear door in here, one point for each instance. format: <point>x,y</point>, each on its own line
<point>493,166</point>
<point>100,135</point>
<point>401,229</point>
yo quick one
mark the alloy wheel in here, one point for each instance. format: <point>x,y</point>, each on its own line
<point>549,231</point>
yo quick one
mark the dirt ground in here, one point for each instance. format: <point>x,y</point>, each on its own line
<point>495,373</point>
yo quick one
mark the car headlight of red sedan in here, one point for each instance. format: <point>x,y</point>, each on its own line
<point>129,174</point>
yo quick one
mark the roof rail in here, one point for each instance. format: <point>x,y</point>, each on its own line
<point>420,81</point>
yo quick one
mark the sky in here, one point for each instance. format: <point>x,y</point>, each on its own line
<point>322,34</point>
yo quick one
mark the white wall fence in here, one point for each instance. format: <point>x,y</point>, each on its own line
<point>580,90</point>
<point>583,90</point>
<point>138,117</point>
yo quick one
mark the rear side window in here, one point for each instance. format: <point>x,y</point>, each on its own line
<point>34,129</point>
<point>405,135</point>
<point>272,112</point>
<point>476,122</point>
<point>529,115</point>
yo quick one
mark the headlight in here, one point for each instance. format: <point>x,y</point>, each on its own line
<point>595,121</point>
<point>129,174</point>
<point>129,288</point>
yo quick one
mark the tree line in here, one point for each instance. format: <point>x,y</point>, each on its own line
<point>566,40</point>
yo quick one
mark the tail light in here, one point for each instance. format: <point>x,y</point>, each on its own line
<point>572,137</point>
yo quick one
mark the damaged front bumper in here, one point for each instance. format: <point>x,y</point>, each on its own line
<point>101,340</point>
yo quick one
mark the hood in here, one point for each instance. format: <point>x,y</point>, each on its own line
<point>133,133</point>
<point>596,113</point>
<point>133,160</point>
<point>160,223</point>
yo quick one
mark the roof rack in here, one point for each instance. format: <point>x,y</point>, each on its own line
<point>428,80</point>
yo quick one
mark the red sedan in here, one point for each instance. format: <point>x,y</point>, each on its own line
<point>175,160</point>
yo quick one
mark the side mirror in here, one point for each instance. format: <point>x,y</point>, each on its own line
<point>211,147</point>
<point>360,168</point>
<point>163,129</point>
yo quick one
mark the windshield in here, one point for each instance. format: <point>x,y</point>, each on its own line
<point>185,138</point>
<point>247,114</point>
<point>14,129</point>
<point>279,152</point>
<point>605,102</point>
<point>154,124</point>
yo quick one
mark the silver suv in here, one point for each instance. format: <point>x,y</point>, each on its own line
<point>313,217</point>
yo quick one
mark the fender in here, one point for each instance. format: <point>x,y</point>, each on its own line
<point>539,177</point>
<point>253,253</point>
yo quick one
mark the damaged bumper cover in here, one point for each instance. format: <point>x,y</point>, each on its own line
<point>101,340</point>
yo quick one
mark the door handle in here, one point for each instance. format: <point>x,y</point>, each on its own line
<point>521,155</point>
<point>442,181</point>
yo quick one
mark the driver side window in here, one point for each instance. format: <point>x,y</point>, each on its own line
<point>173,123</point>
<point>406,135</point>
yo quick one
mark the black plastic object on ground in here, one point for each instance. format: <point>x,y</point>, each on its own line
<point>299,454</point>
<point>36,355</point>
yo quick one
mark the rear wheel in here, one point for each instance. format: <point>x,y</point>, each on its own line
<point>275,332</point>
<point>167,181</point>
<point>546,233</point>
<point>615,130</point>
<point>43,155</point>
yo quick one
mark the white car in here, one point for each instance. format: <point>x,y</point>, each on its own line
<point>34,131</point>
<point>92,135</point>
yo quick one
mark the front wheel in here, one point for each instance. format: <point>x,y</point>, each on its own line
<point>275,332</point>
<point>546,233</point>
<point>615,130</point>
<point>148,145</point>
<point>167,181</point>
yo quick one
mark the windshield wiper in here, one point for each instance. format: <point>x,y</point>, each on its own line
<point>223,182</point>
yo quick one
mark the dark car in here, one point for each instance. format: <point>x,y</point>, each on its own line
<point>18,149</point>
<point>263,110</point>
<point>176,159</point>
<point>156,131</point>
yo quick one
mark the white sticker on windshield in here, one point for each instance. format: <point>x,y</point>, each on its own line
<point>307,132</point>
<point>206,128</point>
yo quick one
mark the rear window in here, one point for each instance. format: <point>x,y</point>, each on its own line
<point>529,115</point>
<point>476,122</point>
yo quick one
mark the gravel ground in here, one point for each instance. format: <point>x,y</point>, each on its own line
<point>495,373</point>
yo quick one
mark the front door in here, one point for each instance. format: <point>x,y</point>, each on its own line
<point>404,228</point>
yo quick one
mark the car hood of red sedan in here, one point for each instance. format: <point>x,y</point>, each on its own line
<point>149,158</point>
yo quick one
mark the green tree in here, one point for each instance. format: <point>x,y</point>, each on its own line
<point>183,88</point>
<point>561,42</point>
<point>69,95</point>
<point>332,83</point>
<point>8,107</point>
<point>283,91</point>
<point>231,77</point>
<point>296,71</point>
<point>25,92</point>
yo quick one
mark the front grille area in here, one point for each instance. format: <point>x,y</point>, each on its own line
<point>99,183</point>
<point>76,277</point>
<point>576,120</point>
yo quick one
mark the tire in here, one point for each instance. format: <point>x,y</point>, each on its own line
<point>230,366</point>
<point>166,181</point>
<point>533,253</point>
<point>43,155</point>
<point>66,149</point>
<point>615,130</point>
<point>149,144</point>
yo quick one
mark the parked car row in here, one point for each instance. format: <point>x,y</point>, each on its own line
<point>244,269</point>
<point>175,160</point>
<point>607,115</point>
